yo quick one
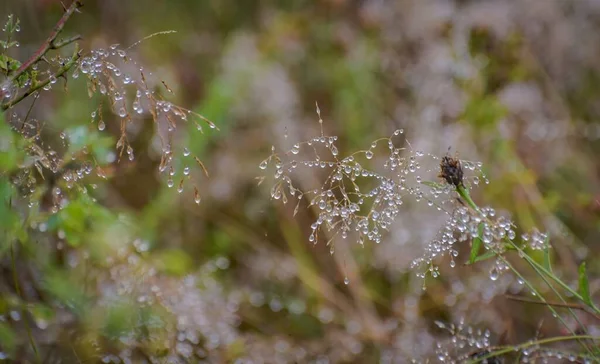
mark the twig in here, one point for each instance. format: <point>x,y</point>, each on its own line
<point>61,71</point>
<point>50,41</point>
<point>29,112</point>
<point>575,306</point>
<point>63,42</point>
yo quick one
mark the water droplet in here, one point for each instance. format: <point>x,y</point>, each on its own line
<point>101,125</point>
<point>196,196</point>
<point>346,280</point>
<point>122,112</point>
<point>263,164</point>
<point>369,154</point>
<point>186,152</point>
<point>494,273</point>
<point>334,150</point>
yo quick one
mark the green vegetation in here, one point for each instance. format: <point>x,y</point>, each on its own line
<point>171,193</point>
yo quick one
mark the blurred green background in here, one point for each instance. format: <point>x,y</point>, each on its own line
<point>132,270</point>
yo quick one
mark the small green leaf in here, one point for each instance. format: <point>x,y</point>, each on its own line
<point>3,58</point>
<point>485,256</point>
<point>547,262</point>
<point>584,287</point>
<point>476,245</point>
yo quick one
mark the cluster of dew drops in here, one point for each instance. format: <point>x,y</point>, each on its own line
<point>469,344</point>
<point>342,205</point>
<point>466,225</point>
<point>464,339</point>
<point>105,76</point>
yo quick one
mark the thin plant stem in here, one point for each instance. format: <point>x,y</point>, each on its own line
<point>50,42</point>
<point>61,71</point>
<point>528,344</point>
<point>556,304</point>
<point>464,193</point>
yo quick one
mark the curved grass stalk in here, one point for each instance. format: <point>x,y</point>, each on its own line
<point>464,193</point>
<point>550,340</point>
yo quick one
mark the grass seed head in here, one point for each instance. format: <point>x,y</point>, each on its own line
<point>451,171</point>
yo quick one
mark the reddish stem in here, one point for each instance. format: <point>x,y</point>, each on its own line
<point>49,43</point>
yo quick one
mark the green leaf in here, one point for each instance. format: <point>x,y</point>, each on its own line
<point>547,262</point>
<point>485,256</point>
<point>584,287</point>
<point>9,64</point>
<point>3,58</point>
<point>476,246</point>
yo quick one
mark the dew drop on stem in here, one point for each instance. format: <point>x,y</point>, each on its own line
<point>494,273</point>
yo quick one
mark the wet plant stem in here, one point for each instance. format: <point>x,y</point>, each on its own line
<point>542,272</point>
<point>464,193</point>
<point>37,86</point>
<point>50,42</point>
<point>550,340</point>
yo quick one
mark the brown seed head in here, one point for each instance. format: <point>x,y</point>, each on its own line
<point>451,171</point>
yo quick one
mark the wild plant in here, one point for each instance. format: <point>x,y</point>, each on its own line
<point>357,198</point>
<point>47,176</point>
<point>120,85</point>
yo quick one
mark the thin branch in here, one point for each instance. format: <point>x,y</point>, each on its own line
<point>50,41</point>
<point>63,42</point>
<point>575,306</point>
<point>61,71</point>
<point>29,112</point>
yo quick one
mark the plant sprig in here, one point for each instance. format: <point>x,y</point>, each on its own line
<point>51,43</point>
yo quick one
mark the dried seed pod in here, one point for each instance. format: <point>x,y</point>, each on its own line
<point>451,171</point>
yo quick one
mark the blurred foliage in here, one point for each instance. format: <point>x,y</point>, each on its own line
<point>127,268</point>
